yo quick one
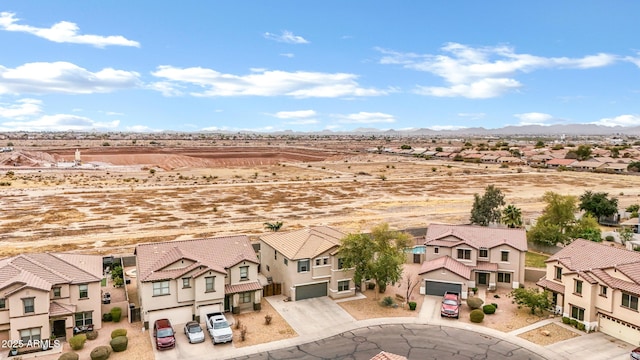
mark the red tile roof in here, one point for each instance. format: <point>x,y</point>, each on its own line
<point>551,285</point>
<point>476,236</point>
<point>242,287</point>
<point>447,263</point>
<point>485,266</point>
<point>305,243</point>
<point>58,309</point>
<point>561,162</point>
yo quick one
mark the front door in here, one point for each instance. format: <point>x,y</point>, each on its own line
<point>226,303</point>
<point>59,328</point>
<point>483,279</point>
<point>417,259</point>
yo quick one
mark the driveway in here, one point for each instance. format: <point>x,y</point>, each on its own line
<point>593,346</point>
<point>311,316</point>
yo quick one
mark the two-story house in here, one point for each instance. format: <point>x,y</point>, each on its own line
<point>49,294</point>
<point>185,280</point>
<point>459,257</point>
<point>307,263</point>
<point>598,285</point>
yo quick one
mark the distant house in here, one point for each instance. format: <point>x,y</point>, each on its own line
<point>307,263</point>
<point>45,294</point>
<point>589,165</point>
<point>556,163</point>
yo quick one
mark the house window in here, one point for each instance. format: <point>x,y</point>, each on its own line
<point>603,290</point>
<point>303,265</point>
<point>245,297</point>
<point>84,291</point>
<point>84,318</point>
<point>558,273</point>
<point>464,254</point>
<point>318,262</point>
<point>577,289</point>
<point>29,305</point>
<point>340,264</point>
<point>504,256</point>
<point>275,255</point>
<point>244,272</point>
<point>322,261</point>
<point>343,285</point>
<point>186,283</point>
<point>630,301</point>
<point>161,288</point>
<point>28,335</point>
<point>504,277</point>
<point>286,261</point>
<point>436,250</point>
<point>210,283</point>
<point>484,253</point>
<point>56,291</point>
<point>3,303</point>
<point>325,261</point>
<point>577,313</point>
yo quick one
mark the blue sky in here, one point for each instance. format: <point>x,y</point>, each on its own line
<point>311,66</point>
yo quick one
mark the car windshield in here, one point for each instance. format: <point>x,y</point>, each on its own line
<point>450,302</point>
<point>221,325</point>
<point>194,328</point>
<point>165,332</point>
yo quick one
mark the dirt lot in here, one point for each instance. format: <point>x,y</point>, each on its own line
<point>258,332</point>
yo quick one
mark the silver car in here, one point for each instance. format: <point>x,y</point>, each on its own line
<point>194,332</point>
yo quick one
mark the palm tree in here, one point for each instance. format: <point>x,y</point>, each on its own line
<point>273,226</point>
<point>512,216</point>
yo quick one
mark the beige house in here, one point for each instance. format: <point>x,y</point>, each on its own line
<point>49,294</point>
<point>598,285</point>
<point>459,257</point>
<point>186,280</point>
<point>307,263</point>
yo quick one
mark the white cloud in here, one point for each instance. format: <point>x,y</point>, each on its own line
<point>63,77</point>
<point>141,129</point>
<point>299,84</point>
<point>59,122</point>
<point>113,113</point>
<point>302,122</point>
<point>299,114</point>
<point>288,55</point>
<point>534,118</point>
<point>22,109</point>
<point>483,72</point>
<point>63,32</point>
<point>634,60</point>
<point>446,127</point>
<point>621,120</point>
<point>366,118</point>
<point>286,37</point>
<point>472,116</point>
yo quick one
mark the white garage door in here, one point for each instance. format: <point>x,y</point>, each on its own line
<point>177,316</point>
<point>208,309</point>
<point>619,329</point>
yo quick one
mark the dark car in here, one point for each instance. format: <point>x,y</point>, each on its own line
<point>164,334</point>
<point>635,354</point>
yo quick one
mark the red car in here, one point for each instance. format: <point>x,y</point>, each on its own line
<point>635,354</point>
<point>164,334</point>
<point>450,305</point>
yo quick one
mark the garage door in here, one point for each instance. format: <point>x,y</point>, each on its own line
<point>208,309</point>
<point>311,291</point>
<point>619,329</point>
<point>177,316</point>
<point>439,288</point>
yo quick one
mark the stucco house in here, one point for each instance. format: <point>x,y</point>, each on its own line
<point>44,294</point>
<point>459,257</point>
<point>307,263</point>
<point>185,280</point>
<point>598,285</point>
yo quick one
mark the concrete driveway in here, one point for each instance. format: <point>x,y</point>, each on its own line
<point>185,350</point>
<point>593,346</point>
<point>311,316</point>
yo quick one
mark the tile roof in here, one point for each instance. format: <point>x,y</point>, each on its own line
<point>215,254</point>
<point>448,263</point>
<point>58,309</point>
<point>476,236</point>
<point>615,283</point>
<point>306,243</point>
<point>551,285</point>
<point>561,162</point>
<point>584,255</point>
<point>242,287</point>
<point>383,355</point>
<point>485,266</point>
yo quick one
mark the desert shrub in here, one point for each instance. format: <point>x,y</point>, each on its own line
<point>565,320</point>
<point>100,353</point>
<point>69,356</point>
<point>119,343</point>
<point>496,296</point>
<point>106,317</point>
<point>581,326</point>
<point>474,302</point>
<point>573,322</point>
<point>476,316</point>
<point>387,301</point>
<point>609,238</point>
<point>77,341</point>
<point>494,305</point>
<point>118,332</point>
<point>371,286</point>
<point>92,335</point>
<point>116,313</point>
<point>488,309</point>
<point>412,305</point>
<point>267,319</point>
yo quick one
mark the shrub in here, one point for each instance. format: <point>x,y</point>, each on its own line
<point>488,309</point>
<point>412,305</point>
<point>119,343</point>
<point>69,356</point>
<point>118,332</point>
<point>565,320</point>
<point>494,305</point>
<point>77,341</point>
<point>116,313</point>
<point>496,296</point>
<point>573,322</point>
<point>609,238</point>
<point>92,335</point>
<point>106,317</point>
<point>100,353</point>
<point>371,286</point>
<point>474,302</point>
<point>387,301</point>
<point>476,316</point>
<point>581,326</point>
<point>267,319</point>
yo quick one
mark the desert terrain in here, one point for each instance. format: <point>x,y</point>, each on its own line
<point>124,194</point>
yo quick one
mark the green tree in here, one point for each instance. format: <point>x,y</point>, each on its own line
<point>583,152</point>
<point>634,166</point>
<point>486,208</point>
<point>405,147</point>
<point>378,256</point>
<point>587,228</point>
<point>554,225</point>
<point>273,226</point>
<point>626,234</point>
<point>512,216</point>
<point>531,298</point>
<point>598,204</point>
<point>539,144</point>
<point>632,208</point>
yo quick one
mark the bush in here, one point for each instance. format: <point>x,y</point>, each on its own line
<point>581,326</point>
<point>92,335</point>
<point>573,322</point>
<point>69,356</point>
<point>474,302</point>
<point>476,316</point>
<point>118,332</point>
<point>565,320</point>
<point>412,305</point>
<point>106,317</point>
<point>77,341</point>
<point>100,353</point>
<point>387,301</point>
<point>495,305</point>
<point>609,238</point>
<point>119,343</point>
<point>488,309</point>
<point>371,286</point>
<point>116,313</point>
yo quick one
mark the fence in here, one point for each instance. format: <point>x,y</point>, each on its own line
<point>272,289</point>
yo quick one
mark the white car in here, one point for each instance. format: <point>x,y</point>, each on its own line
<point>219,328</point>
<point>194,332</point>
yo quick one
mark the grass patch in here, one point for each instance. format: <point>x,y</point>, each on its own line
<point>103,282</point>
<point>535,260</point>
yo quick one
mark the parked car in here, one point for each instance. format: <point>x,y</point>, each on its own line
<point>219,328</point>
<point>635,354</point>
<point>194,332</point>
<point>164,334</point>
<point>450,305</point>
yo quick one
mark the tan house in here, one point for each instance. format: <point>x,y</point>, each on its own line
<point>185,280</point>
<point>46,294</point>
<point>459,257</point>
<point>307,263</point>
<point>598,285</point>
